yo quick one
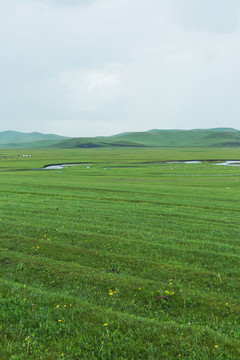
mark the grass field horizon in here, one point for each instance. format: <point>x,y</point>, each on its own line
<point>216,137</point>
<point>121,257</point>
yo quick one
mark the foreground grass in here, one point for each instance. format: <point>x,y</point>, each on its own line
<point>120,260</point>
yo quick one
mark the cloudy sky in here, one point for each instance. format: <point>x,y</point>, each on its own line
<point>101,67</point>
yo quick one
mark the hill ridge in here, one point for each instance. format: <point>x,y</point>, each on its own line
<point>152,138</point>
<point>13,138</point>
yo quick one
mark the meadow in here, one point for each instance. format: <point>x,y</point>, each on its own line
<point>120,257</point>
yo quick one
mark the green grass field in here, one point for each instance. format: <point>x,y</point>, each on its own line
<point>124,258</point>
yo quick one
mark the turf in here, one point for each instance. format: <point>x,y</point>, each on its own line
<point>121,257</point>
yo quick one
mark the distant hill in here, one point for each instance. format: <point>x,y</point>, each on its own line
<point>16,138</point>
<point>156,138</point>
<point>152,138</point>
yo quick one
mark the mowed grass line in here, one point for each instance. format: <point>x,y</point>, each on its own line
<point>155,310</point>
<point>153,254</point>
<point>162,339</point>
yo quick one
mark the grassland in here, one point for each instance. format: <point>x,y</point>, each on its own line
<point>123,258</point>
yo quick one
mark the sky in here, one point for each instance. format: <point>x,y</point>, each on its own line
<point>102,67</point>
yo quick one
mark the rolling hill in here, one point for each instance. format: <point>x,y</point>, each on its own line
<point>153,138</point>
<point>198,137</point>
<point>15,138</point>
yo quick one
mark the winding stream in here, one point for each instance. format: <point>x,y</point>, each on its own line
<point>225,163</point>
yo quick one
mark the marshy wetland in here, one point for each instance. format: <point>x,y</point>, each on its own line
<point>139,261</point>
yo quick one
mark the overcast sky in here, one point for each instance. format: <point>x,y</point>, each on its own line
<point>101,67</point>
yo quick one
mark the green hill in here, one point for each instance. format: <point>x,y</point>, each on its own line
<point>13,138</point>
<point>198,137</point>
<point>99,142</point>
<point>153,138</point>
<point>30,145</point>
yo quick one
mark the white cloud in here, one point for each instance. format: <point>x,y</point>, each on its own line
<point>89,89</point>
<point>206,16</point>
<point>119,64</point>
<point>61,3</point>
